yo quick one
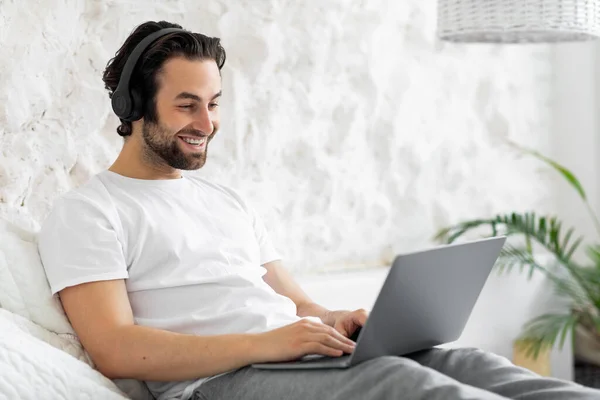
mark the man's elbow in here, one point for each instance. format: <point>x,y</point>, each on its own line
<point>108,356</point>
<point>109,365</point>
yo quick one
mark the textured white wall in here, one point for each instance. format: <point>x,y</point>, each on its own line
<point>576,131</point>
<point>349,127</point>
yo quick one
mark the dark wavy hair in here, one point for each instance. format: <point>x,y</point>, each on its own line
<point>193,46</point>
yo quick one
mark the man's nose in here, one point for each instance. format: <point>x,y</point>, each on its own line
<point>203,122</point>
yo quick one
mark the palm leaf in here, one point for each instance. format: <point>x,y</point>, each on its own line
<point>567,287</point>
<point>593,252</point>
<point>567,175</point>
<point>543,332</point>
<point>546,231</point>
<point>591,276</point>
<point>511,257</point>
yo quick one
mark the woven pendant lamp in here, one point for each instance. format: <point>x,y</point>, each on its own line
<point>518,21</point>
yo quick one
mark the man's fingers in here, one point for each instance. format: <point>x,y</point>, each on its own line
<point>341,329</point>
<point>360,316</point>
<point>319,327</point>
<point>334,332</point>
<point>332,342</point>
<point>318,348</point>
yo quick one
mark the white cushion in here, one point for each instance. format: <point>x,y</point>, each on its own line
<point>24,289</point>
<point>31,368</point>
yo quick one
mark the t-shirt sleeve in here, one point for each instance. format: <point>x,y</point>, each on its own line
<point>268,252</point>
<point>79,244</point>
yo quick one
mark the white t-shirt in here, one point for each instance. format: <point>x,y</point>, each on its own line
<point>191,252</point>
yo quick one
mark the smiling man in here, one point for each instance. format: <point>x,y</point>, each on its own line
<point>159,140</point>
<point>179,140</point>
<point>172,279</point>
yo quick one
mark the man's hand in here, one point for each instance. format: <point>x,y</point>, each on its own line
<point>299,339</point>
<point>347,322</point>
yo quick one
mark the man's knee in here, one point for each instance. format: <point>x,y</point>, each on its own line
<point>460,353</point>
<point>403,377</point>
<point>474,353</point>
<point>465,363</point>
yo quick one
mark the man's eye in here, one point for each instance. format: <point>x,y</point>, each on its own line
<point>186,106</point>
<point>213,105</point>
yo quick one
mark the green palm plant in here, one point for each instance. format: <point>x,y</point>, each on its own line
<point>576,282</point>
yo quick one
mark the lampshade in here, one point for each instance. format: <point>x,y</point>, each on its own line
<point>515,21</point>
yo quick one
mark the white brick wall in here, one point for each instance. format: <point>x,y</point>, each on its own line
<point>349,127</point>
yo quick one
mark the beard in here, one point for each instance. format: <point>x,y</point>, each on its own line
<point>162,147</point>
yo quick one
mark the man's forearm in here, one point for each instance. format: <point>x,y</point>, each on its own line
<point>312,309</point>
<point>151,354</point>
<point>283,283</point>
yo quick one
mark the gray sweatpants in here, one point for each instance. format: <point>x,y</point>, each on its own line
<point>437,374</point>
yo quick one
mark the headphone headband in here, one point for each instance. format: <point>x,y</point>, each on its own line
<point>124,101</point>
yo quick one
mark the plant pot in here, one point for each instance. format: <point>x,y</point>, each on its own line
<point>540,365</point>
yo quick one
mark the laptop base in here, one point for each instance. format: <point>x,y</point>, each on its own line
<point>309,363</point>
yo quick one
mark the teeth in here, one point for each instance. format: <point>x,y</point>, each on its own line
<point>194,141</point>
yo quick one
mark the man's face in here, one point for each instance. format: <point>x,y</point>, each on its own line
<point>187,111</point>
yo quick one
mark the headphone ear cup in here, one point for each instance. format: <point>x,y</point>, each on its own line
<point>137,111</point>
<point>121,104</point>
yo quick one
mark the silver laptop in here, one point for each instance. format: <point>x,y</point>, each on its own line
<point>425,301</point>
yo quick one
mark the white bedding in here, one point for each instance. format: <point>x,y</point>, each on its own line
<point>24,289</point>
<point>34,364</point>
<point>29,307</point>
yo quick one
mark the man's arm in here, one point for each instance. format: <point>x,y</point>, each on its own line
<point>282,282</point>
<point>101,316</point>
<point>344,321</point>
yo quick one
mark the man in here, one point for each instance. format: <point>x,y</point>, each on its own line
<point>172,279</point>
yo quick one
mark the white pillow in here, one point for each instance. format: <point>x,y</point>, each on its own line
<point>33,369</point>
<point>24,288</point>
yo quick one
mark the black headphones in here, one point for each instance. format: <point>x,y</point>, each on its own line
<point>128,103</point>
